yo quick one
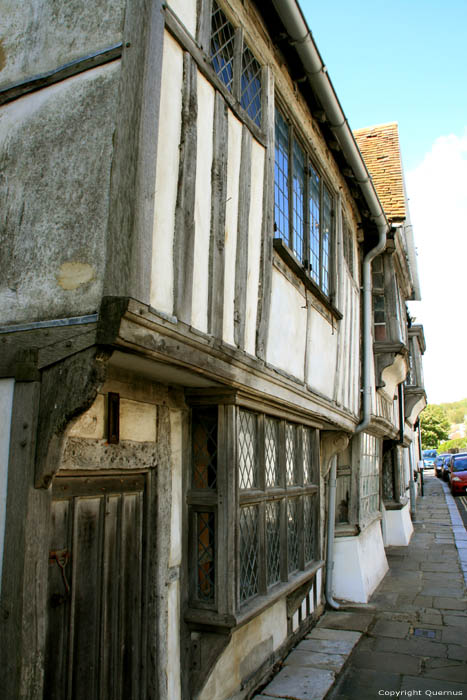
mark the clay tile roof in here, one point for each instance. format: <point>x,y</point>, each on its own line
<point>379,146</point>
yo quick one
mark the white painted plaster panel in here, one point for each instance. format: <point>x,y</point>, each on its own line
<point>359,564</point>
<point>174,691</point>
<point>231,218</point>
<point>167,176</point>
<point>137,421</point>
<point>398,527</point>
<point>91,424</point>
<point>295,621</point>
<point>250,645</point>
<point>186,12</point>
<point>287,327</point>
<point>255,221</point>
<point>322,354</point>
<point>7,387</point>
<point>319,585</point>
<point>175,554</point>
<point>199,314</point>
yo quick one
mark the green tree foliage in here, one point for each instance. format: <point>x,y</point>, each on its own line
<point>459,443</point>
<point>455,411</point>
<point>435,426</point>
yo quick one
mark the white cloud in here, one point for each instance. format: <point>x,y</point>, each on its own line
<point>437,191</point>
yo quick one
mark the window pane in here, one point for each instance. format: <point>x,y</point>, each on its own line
<point>314,205</point>
<point>206,562</point>
<point>271,439</point>
<point>204,458</point>
<point>309,525</point>
<point>250,98</point>
<point>369,478</point>
<point>281,178</point>
<point>290,455</point>
<point>298,190</point>
<point>307,457</point>
<point>292,534</point>
<point>247,436</point>
<point>222,45</point>
<point>273,541</point>
<point>326,239</point>
<point>248,552</point>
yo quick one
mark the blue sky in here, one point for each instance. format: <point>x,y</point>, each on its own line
<point>406,61</point>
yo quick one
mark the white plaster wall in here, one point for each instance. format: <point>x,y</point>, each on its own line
<point>173,642</point>
<point>167,176</point>
<point>287,327</point>
<point>175,555</point>
<point>250,646</point>
<point>7,387</point>
<point>138,421</point>
<point>199,314</point>
<point>255,221</point>
<point>322,354</point>
<point>231,218</point>
<point>359,564</point>
<point>186,12</point>
<point>398,527</point>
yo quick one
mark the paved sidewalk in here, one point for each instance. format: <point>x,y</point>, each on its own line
<point>411,639</point>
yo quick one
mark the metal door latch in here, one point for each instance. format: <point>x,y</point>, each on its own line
<point>62,557</point>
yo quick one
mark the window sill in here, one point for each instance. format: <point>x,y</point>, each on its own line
<point>211,621</point>
<point>396,505</point>
<point>291,261</point>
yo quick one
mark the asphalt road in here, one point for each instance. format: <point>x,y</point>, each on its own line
<point>461,502</point>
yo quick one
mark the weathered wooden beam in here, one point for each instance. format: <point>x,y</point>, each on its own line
<point>184,243</point>
<point>43,80</point>
<point>241,260</point>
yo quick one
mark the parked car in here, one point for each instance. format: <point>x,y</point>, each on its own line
<point>458,474</point>
<point>439,464</point>
<point>429,457</point>
<point>447,467</point>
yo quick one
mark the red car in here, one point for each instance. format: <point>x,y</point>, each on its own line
<point>458,474</point>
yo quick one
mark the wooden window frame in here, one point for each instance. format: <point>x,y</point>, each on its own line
<point>286,240</point>
<point>204,31</point>
<point>227,608</point>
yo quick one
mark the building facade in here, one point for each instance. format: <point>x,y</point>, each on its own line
<point>203,408</point>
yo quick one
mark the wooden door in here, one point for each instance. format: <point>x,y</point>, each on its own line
<point>95,598</point>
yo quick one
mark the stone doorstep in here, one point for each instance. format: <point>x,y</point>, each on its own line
<point>312,666</point>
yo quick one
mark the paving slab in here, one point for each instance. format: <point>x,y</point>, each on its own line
<point>358,684</point>
<point>300,683</point>
<point>416,646</point>
<point>327,646</point>
<point>449,603</point>
<point>302,657</point>
<point>385,661</point>
<point>334,635</point>
<point>430,684</point>
<point>356,621</point>
<point>387,628</point>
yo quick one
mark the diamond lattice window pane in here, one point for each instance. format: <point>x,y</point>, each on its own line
<point>290,454</point>
<point>206,556</point>
<point>250,98</point>
<point>248,552</point>
<point>307,457</point>
<point>222,46</point>
<point>309,519</point>
<point>271,449</point>
<point>247,436</point>
<point>273,541</point>
<point>204,457</point>
<point>292,534</point>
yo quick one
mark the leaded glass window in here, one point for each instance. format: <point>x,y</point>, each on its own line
<point>369,477</point>
<point>206,556</point>
<point>264,512</point>
<point>273,541</point>
<point>247,459</point>
<point>303,205</point>
<point>239,72</point>
<point>248,552</point>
